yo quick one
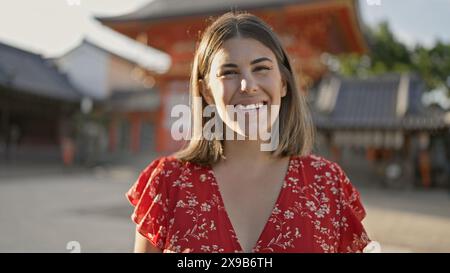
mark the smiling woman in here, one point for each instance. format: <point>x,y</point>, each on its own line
<point>228,195</point>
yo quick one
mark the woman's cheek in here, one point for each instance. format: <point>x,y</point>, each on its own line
<point>229,88</point>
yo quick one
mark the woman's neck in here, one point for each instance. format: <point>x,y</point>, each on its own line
<point>247,151</point>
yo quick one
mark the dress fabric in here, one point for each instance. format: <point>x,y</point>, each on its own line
<point>178,207</point>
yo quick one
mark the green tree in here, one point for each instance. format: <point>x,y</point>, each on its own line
<point>433,64</point>
<point>388,54</point>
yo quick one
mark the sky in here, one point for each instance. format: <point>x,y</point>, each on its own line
<point>52,27</point>
<point>412,21</point>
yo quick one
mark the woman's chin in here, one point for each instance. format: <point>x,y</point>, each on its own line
<point>250,131</point>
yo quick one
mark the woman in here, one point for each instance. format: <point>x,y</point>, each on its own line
<point>221,194</point>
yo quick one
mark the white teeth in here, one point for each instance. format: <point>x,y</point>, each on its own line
<point>249,106</point>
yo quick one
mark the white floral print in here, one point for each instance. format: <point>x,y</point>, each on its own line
<point>178,206</point>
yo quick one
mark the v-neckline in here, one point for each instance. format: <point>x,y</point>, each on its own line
<point>227,218</point>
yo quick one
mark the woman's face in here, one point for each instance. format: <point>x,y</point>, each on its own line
<point>245,75</point>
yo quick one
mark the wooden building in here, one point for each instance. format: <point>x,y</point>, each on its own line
<point>121,86</point>
<point>384,118</point>
<point>36,105</point>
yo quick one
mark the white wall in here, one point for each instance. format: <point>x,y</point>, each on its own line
<point>87,69</point>
<point>123,75</point>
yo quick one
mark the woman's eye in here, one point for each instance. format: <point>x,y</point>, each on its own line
<point>261,68</point>
<point>229,72</point>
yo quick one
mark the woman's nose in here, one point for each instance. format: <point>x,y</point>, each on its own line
<point>248,85</point>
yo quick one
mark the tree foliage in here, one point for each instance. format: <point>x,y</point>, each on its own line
<point>388,54</point>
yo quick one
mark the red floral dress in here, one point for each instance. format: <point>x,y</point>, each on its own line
<point>178,206</point>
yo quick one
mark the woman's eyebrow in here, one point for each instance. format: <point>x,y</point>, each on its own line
<point>262,59</point>
<point>229,65</point>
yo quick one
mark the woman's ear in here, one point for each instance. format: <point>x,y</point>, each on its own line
<point>205,92</point>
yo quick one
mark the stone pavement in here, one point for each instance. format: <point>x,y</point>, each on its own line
<point>43,209</point>
<point>408,220</point>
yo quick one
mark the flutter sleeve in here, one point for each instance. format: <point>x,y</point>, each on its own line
<point>149,196</point>
<point>353,237</point>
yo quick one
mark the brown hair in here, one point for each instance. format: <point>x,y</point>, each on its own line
<point>296,128</point>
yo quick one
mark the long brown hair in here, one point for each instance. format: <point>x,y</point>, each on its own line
<point>296,129</point>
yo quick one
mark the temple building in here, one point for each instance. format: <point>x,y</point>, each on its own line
<point>384,120</point>
<point>37,102</point>
<point>120,85</point>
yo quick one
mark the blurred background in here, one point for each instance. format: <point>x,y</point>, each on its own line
<point>86,88</point>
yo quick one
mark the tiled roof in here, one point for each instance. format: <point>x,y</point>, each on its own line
<point>373,104</point>
<point>27,72</point>
<point>158,9</point>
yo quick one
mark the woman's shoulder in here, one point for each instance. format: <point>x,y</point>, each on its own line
<point>317,165</point>
<point>169,166</point>
<point>319,171</point>
<point>155,177</point>
<point>165,162</point>
<point>161,164</point>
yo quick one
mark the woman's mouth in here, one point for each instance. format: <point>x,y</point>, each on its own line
<point>251,106</point>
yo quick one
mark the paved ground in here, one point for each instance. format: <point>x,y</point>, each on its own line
<point>408,221</point>
<point>42,208</point>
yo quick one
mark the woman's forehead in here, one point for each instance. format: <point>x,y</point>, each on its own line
<point>242,50</point>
